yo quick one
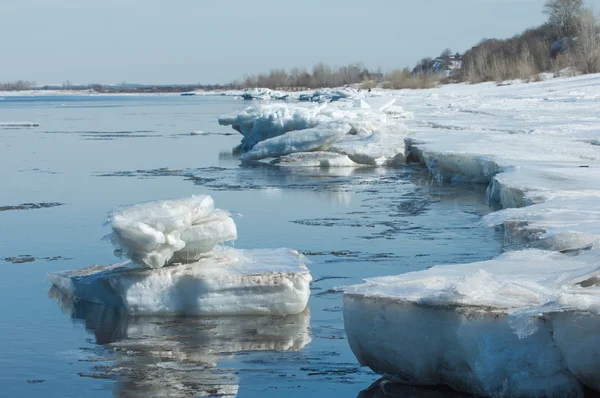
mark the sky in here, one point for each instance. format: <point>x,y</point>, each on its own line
<point>217,41</point>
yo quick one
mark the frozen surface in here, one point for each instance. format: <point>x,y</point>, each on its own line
<point>517,283</point>
<point>525,323</point>
<point>228,282</point>
<point>157,233</point>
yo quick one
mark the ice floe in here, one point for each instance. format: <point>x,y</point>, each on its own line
<point>372,136</point>
<point>263,94</point>
<point>229,282</point>
<point>318,138</point>
<point>487,328</point>
<point>178,267</point>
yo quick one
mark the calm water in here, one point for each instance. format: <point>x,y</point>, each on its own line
<point>90,154</point>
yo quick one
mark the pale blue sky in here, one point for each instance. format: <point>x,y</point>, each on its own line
<point>209,41</point>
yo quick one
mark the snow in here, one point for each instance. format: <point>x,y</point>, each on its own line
<point>526,322</point>
<point>227,282</point>
<point>156,233</point>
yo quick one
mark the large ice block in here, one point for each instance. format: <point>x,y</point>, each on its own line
<point>514,326</point>
<point>318,138</point>
<point>227,282</point>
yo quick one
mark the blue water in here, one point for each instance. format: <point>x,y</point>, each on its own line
<point>90,154</point>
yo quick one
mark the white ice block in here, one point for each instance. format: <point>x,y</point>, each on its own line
<point>229,282</point>
<point>156,233</point>
<point>513,326</point>
<point>314,139</point>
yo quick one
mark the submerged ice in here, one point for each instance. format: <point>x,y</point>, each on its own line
<point>178,267</point>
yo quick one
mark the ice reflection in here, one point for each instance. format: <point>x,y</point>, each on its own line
<point>384,388</point>
<point>178,356</point>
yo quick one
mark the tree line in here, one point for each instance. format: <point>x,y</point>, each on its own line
<point>320,75</point>
<point>569,40</point>
<point>19,85</point>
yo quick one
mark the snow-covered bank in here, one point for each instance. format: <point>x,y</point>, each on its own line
<point>525,323</point>
<point>178,267</point>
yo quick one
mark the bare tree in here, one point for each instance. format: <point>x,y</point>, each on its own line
<point>587,45</point>
<point>563,15</point>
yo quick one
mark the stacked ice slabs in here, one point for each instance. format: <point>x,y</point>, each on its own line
<point>178,267</point>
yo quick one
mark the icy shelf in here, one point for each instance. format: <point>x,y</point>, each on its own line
<point>524,324</point>
<point>228,282</point>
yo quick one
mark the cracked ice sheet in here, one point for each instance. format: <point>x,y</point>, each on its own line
<point>229,282</point>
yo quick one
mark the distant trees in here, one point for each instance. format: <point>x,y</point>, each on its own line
<point>523,56</point>
<point>321,75</point>
<point>563,15</point>
<point>405,79</point>
<point>18,85</point>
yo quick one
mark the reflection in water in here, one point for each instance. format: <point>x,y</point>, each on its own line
<point>384,388</point>
<point>177,356</point>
